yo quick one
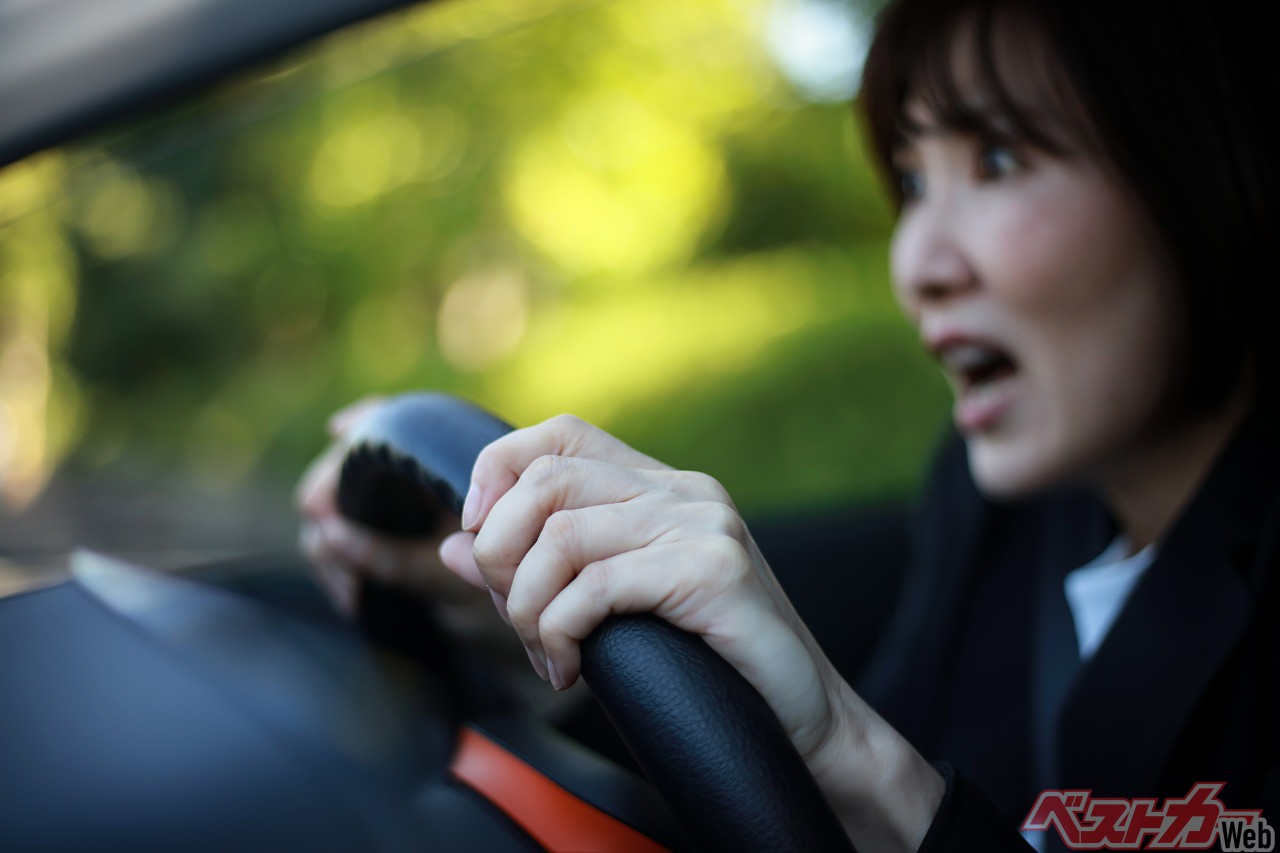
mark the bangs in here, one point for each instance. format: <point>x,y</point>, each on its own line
<point>981,68</point>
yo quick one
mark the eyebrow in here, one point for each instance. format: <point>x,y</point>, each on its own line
<point>983,114</point>
<point>980,118</point>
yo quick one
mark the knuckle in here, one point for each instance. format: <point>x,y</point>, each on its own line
<point>523,618</point>
<point>567,423</point>
<point>715,491</point>
<point>561,527</point>
<point>551,627</point>
<point>501,453</point>
<point>704,487</point>
<point>486,552</point>
<point>722,519</point>
<point>725,556</point>
<point>597,578</point>
<point>491,453</point>
<point>544,470</point>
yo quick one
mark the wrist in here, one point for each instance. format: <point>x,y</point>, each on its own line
<point>883,791</point>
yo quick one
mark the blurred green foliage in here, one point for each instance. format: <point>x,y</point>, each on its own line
<point>617,209</point>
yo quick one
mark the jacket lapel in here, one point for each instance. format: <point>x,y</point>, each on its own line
<point>1129,703</point>
<point>1076,531</point>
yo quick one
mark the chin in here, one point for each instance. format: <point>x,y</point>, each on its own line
<point>1005,470</point>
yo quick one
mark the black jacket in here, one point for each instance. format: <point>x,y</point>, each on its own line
<point>1185,687</point>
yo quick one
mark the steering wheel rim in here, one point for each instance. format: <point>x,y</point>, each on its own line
<point>706,739</point>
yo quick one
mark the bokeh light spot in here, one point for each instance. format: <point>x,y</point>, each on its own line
<point>483,318</point>
<point>359,163</point>
<point>387,336</point>
<point>615,188</point>
<point>124,215</point>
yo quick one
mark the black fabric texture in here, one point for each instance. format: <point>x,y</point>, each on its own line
<point>1183,688</point>
<point>966,822</point>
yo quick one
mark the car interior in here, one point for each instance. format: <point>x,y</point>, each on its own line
<point>220,220</point>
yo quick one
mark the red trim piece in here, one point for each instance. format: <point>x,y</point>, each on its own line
<point>556,819</point>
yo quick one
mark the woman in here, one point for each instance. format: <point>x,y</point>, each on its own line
<point>1086,204</point>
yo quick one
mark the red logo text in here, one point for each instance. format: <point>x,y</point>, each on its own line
<point>1193,822</point>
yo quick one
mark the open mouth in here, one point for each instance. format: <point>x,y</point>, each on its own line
<point>977,366</point>
<point>981,373</point>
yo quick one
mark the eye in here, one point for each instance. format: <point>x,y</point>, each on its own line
<point>910,184</point>
<point>997,161</point>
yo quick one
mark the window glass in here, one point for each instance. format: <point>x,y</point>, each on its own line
<point>657,214</point>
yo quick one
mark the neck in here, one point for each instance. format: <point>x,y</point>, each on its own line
<point>1149,489</point>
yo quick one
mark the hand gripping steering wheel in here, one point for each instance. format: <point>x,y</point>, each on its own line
<point>705,738</point>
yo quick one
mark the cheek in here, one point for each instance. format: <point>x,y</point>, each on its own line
<point>903,247</point>
<point>1045,258</point>
<point>1075,269</point>
<point>1097,315</point>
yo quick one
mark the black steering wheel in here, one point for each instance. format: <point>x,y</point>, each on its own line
<point>705,738</point>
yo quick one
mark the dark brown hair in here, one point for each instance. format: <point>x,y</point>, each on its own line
<point>1176,96</point>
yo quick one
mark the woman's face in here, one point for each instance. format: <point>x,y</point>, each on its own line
<point>1042,290</point>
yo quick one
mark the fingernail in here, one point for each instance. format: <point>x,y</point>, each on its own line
<point>501,603</point>
<point>471,508</point>
<point>556,681</point>
<point>537,664</point>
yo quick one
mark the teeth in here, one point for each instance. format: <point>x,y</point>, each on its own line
<point>980,393</point>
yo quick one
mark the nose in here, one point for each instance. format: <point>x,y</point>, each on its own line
<point>928,261</point>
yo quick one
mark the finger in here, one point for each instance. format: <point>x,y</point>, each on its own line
<point>415,566</point>
<point>336,582</point>
<point>317,488</point>
<point>339,584</point>
<point>549,485</point>
<point>704,587</point>
<point>500,603</point>
<point>456,552</point>
<point>570,540</point>
<point>342,542</point>
<point>309,539</point>
<point>345,418</point>
<point>500,464</point>
<point>630,582</point>
<point>371,553</point>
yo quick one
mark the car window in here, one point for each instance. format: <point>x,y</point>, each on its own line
<point>658,215</point>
